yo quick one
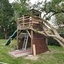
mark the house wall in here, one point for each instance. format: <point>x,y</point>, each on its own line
<point>40,43</point>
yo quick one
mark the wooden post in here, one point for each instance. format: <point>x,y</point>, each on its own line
<point>23,20</point>
<point>30,20</point>
<point>34,49</point>
<point>17,39</point>
<point>31,41</point>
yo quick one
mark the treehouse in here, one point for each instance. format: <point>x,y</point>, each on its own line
<point>28,38</point>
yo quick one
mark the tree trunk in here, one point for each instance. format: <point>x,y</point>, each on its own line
<point>55,34</point>
<point>6,36</point>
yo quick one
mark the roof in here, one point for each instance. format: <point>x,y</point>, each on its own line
<point>36,10</point>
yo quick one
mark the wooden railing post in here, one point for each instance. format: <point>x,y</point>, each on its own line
<point>23,20</point>
<point>30,21</point>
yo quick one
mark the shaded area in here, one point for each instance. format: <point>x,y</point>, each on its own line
<point>52,41</point>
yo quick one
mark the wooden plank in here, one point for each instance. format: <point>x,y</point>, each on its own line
<point>34,50</point>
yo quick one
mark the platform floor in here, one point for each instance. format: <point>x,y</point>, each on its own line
<point>19,53</point>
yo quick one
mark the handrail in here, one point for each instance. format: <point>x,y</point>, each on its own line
<point>30,23</point>
<point>25,18</point>
<point>26,21</point>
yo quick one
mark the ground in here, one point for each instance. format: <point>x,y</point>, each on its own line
<point>55,56</point>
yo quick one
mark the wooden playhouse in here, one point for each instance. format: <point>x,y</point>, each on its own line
<point>28,38</point>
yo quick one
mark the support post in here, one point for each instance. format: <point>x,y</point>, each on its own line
<point>31,41</point>
<point>28,33</point>
<point>23,20</point>
<point>17,39</point>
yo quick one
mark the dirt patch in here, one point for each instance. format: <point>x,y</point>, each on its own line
<point>31,57</point>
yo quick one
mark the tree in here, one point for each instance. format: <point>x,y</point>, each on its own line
<point>6,13</point>
<point>20,7</point>
<point>51,7</point>
<point>60,22</point>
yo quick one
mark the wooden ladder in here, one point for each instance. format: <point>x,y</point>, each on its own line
<point>25,42</point>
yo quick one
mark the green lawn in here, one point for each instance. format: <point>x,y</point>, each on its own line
<point>55,56</point>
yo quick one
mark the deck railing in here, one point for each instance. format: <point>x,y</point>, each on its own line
<point>26,21</point>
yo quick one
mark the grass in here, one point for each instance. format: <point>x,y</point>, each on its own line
<point>56,56</point>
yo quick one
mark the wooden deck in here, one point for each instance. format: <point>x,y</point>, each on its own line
<point>26,22</point>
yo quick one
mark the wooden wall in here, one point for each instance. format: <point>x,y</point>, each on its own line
<point>40,43</point>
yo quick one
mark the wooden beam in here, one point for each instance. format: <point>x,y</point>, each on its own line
<point>29,34</point>
<point>40,32</point>
<point>17,39</point>
<point>31,41</point>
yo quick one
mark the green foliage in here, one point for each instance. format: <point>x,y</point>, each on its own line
<point>6,14</point>
<point>20,8</point>
<point>54,6</point>
<point>60,18</point>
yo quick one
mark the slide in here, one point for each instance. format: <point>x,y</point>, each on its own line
<point>11,37</point>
